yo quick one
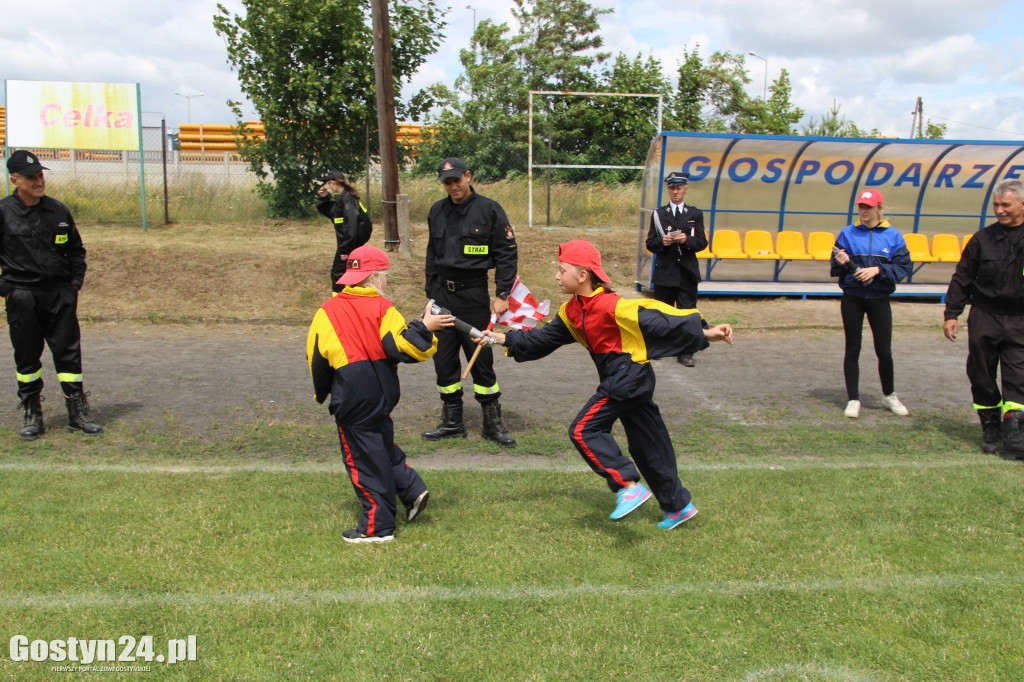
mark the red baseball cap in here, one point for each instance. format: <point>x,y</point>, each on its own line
<point>363,262</point>
<point>583,254</point>
<point>871,197</point>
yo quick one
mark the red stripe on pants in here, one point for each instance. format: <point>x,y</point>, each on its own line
<point>354,473</point>
<point>577,435</point>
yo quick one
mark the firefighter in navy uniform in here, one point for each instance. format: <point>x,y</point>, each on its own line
<point>675,236</point>
<point>469,235</point>
<point>352,226</point>
<point>42,267</point>
<point>990,276</point>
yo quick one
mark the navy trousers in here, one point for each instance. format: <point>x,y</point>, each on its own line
<point>647,440</point>
<point>35,316</point>
<point>377,468</point>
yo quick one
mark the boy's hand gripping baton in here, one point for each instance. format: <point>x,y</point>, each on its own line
<point>472,360</point>
<point>464,327</point>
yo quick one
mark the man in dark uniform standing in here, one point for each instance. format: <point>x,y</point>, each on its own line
<point>42,261</point>
<point>469,235</point>
<point>675,236</point>
<point>990,276</point>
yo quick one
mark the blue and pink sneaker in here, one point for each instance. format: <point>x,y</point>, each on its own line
<point>672,520</point>
<point>628,499</point>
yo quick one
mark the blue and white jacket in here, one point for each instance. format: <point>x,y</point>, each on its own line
<point>881,246</point>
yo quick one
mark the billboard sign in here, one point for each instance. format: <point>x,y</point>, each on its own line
<point>68,115</point>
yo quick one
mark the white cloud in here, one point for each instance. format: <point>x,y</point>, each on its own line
<point>872,56</point>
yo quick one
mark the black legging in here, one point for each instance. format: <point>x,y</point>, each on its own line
<point>879,314</point>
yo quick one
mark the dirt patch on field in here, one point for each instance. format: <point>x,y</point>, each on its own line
<point>787,363</point>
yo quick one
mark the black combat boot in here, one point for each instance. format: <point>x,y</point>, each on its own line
<point>1013,439</point>
<point>991,429</point>
<point>451,425</point>
<point>78,415</point>
<point>494,429</point>
<point>34,426</point>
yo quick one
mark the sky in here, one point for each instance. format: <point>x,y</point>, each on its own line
<point>873,58</point>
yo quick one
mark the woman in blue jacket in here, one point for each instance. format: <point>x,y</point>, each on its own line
<point>869,258</point>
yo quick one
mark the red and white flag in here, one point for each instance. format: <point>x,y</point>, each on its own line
<point>523,310</point>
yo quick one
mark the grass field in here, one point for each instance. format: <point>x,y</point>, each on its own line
<point>902,565</point>
<point>824,550</point>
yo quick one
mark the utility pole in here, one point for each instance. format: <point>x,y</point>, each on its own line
<point>916,120</point>
<point>386,121</point>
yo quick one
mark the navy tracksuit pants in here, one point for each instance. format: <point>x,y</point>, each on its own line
<point>647,440</point>
<point>379,473</point>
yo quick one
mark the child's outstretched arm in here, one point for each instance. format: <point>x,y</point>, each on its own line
<point>720,332</point>
<point>498,337</point>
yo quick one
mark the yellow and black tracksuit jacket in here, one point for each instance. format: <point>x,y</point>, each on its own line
<point>622,336</point>
<point>354,345</point>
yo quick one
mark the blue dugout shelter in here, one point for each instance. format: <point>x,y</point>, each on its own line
<point>805,184</point>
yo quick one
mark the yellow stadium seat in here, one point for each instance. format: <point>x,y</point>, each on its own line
<point>790,245</point>
<point>967,238</point>
<point>819,245</point>
<point>946,247</point>
<point>727,244</point>
<point>706,253</point>
<point>757,244</point>
<point>917,244</point>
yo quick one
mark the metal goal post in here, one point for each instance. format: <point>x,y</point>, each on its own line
<point>568,93</point>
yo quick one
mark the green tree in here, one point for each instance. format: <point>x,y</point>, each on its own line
<point>833,124</point>
<point>483,119</point>
<point>687,105</point>
<point>935,131</point>
<point>607,130</point>
<point>306,66</point>
<point>777,116</point>
<point>712,97</point>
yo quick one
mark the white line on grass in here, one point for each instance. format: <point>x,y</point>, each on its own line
<point>789,672</point>
<point>509,593</point>
<point>303,468</point>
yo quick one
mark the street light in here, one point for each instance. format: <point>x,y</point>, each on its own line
<point>765,95</point>
<point>189,98</point>
<point>470,7</point>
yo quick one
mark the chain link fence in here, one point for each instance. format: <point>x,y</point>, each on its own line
<point>106,186</point>
<point>217,186</point>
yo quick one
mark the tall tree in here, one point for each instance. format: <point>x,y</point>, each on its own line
<point>778,115</point>
<point>935,131</point>
<point>833,124</point>
<point>712,96</point>
<point>483,119</point>
<point>306,66</point>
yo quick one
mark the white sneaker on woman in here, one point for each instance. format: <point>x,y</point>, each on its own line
<point>852,409</point>
<point>894,404</point>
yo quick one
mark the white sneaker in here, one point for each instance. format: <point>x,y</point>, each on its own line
<point>852,409</point>
<point>894,404</point>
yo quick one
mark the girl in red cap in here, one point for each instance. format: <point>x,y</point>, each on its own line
<point>869,258</point>
<point>622,336</point>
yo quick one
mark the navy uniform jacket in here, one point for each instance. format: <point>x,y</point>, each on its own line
<point>676,265</point>
<point>468,239</point>
<point>622,335</point>
<point>40,246</point>
<point>352,226</point>
<point>354,345</point>
<point>990,273</point>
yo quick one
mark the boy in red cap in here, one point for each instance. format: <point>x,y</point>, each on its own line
<point>354,346</point>
<point>622,336</point>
